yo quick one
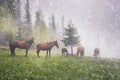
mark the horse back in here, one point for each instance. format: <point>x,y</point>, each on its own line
<point>80,49</point>
<point>18,44</point>
<point>64,50</point>
<point>96,51</point>
<point>43,46</point>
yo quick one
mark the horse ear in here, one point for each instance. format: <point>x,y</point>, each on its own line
<point>56,41</point>
<point>32,37</point>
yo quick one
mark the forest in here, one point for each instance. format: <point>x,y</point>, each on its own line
<point>15,25</point>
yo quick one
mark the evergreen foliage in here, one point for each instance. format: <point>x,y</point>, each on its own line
<point>70,36</point>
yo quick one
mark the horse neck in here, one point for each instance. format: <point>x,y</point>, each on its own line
<point>29,42</point>
<point>51,44</point>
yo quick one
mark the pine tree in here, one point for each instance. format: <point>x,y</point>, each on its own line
<point>18,13</point>
<point>19,36</point>
<point>62,22</point>
<point>53,24</point>
<point>62,25</point>
<point>70,36</point>
<point>52,27</point>
<point>28,16</point>
<point>40,29</point>
<point>27,28</point>
<point>38,18</point>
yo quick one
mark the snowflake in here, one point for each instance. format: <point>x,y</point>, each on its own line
<point>50,4</point>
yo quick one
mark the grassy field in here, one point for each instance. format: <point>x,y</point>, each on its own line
<point>56,68</point>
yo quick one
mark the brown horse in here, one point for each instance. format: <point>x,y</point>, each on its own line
<point>64,50</point>
<point>20,44</point>
<point>46,47</point>
<point>80,50</point>
<point>96,52</point>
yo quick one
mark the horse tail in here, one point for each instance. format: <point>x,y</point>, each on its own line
<point>10,47</point>
<point>99,55</point>
<point>37,48</point>
<point>9,43</point>
<point>67,53</point>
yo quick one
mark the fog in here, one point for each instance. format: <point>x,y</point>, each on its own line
<point>97,22</point>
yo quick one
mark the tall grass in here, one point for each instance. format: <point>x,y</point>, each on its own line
<point>56,68</point>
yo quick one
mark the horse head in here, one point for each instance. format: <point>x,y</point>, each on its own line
<point>30,41</point>
<point>56,44</point>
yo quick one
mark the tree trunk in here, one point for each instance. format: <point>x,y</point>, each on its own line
<point>72,50</point>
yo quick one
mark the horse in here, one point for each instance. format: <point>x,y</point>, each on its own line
<point>46,47</point>
<point>13,44</point>
<point>64,50</point>
<point>80,50</point>
<point>96,53</point>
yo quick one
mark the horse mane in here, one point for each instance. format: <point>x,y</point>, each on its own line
<point>50,42</point>
<point>29,41</point>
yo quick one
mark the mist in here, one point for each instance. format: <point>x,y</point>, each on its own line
<point>97,22</point>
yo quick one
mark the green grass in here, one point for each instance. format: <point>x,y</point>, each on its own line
<point>56,68</point>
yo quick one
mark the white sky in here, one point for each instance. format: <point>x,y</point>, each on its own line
<point>97,21</point>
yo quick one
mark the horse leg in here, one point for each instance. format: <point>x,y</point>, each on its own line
<point>11,50</point>
<point>66,54</point>
<point>26,53</point>
<point>99,56</point>
<point>77,54</point>
<point>14,52</point>
<point>82,53</point>
<point>49,53</point>
<point>95,55</point>
<point>38,53</point>
<point>63,53</point>
<point>46,53</point>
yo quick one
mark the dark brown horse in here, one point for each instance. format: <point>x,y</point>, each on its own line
<point>20,44</point>
<point>64,50</point>
<point>80,51</point>
<point>46,47</point>
<point>96,52</point>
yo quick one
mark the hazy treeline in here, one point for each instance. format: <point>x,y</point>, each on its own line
<point>16,25</point>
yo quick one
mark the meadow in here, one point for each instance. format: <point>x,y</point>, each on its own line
<point>58,67</point>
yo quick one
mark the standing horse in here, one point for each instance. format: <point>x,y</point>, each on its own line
<point>96,52</point>
<point>20,44</point>
<point>80,50</point>
<point>46,47</point>
<point>64,50</point>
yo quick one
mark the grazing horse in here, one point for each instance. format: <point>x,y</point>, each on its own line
<point>80,50</point>
<point>20,44</point>
<point>96,52</point>
<point>46,47</point>
<point>64,50</point>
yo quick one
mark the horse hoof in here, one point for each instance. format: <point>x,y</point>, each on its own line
<point>25,56</point>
